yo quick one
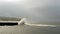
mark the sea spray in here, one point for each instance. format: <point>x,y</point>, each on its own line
<point>24,21</point>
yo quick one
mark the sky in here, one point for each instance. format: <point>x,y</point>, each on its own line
<point>33,10</point>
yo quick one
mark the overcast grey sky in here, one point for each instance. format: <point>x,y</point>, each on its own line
<point>36,10</point>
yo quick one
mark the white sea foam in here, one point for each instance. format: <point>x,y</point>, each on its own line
<point>26,23</point>
<point>40,25</point>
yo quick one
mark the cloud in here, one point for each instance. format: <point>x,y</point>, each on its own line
<point>36,10</point>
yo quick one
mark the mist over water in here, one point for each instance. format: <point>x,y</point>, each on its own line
<point>46,11</point>
<point>33,10</point>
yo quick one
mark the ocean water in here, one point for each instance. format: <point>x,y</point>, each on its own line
<point>27,29</point>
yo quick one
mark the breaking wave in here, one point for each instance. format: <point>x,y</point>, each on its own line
<point>26,23</point>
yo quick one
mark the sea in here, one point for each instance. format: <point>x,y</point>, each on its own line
<point>27,29</point>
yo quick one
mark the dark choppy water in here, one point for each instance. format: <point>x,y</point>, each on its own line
<point>25,29</point>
